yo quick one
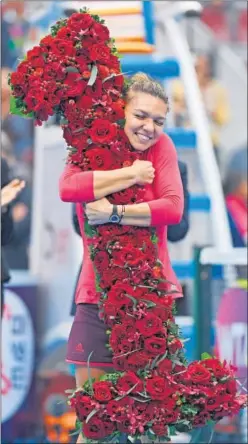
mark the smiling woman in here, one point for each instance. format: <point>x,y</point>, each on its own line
<point>129,182</point>
<point>145,112</point>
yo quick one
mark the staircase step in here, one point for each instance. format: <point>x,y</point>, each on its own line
<point>198,202</point>
<point>130,47</point>
<point>182,138</point>
<point>162,69</point>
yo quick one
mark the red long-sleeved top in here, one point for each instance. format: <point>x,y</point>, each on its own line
<point>164,197</point>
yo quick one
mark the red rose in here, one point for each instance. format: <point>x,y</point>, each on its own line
<point>130,327</point>
<point>155,346</point>
<point>83,406</point>
<point>24,67</point>
<point>101,261</point>
<point>117,109</point>
<point>75,86</point>
<point>171,417</point>
<point>120,363</point>
<point>149,413</point>
<point>216,367</point>
<point>102,131</point>
<point>66,33</point>
<point>119,408</point>
<point>17,78</point>
<point>85,102</point>
<point>103,71</point>
<point>164,367</point>
<point>114,274</point>
<point>163,313</point>
<point>100,159</point>
<point>19,91</point>
<point>128,381</point>
<point>128,256</point>
<point>137,361</point>
<point>118,293</point>
<point>118,341</point>
<point>79,21</point>
<point>168,404</point>
<point>102,391</point>
<point>94,429</point>
<point>119,81</point>
<point>95,91</point>
<point>109,426</point>
<point>100,53</point>
<point>174,345</point>
<point>54,70</point>
<point>47,41</point>
<point>125,346</point>
<point>150,325</point>
<point>160,429</point>
<point>199,374</point>
<point>81,63</point>
<point>63,47</point>
<point>34,52</point>
<point>114,62</point>
<point>43,111</point>
<point>100,32</point>
<point>34,98</point>
<point>231,386</point>
<point>37,62</point>
<point>124,197</point>
<point>158,388</point>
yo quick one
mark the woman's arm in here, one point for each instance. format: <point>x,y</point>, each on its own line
<point>76,185</point>
<point>167,208</point>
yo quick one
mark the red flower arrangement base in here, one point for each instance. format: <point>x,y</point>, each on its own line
<point>75,72</point>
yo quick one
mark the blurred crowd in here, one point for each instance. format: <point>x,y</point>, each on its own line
<point>228,19</point>
<point>17,134</point>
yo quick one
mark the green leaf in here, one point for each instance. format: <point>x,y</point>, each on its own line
<point>76,432</point>
<point>205,356</point>
<point>89,231</point>
<point>93,75</point>
<point>89,374</point>
<point>141,400</point>
<point>154,239</point>
<point>71,69</point>
<point>18,110</point>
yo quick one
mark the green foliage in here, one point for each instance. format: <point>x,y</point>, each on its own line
<point>17,107</point>
<point>58,25</point>
<point>190,410</point>
<point>154,238</point>
<point>205,356</point>
<point>89,230</point>
<point>93,75</point>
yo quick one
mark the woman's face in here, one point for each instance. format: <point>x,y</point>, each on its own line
<point>145,118</point>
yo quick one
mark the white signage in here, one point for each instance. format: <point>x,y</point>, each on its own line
<point>18,348</point>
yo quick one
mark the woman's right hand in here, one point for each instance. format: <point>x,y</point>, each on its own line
<point>144,172</point>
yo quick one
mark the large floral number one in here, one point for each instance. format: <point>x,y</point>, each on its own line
<point>75,72</point>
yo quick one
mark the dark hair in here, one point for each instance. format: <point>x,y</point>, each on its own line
<point>141,82</point>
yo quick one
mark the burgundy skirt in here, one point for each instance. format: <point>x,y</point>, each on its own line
<point>88,336</point>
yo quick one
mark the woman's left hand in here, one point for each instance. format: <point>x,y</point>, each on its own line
<point>98,212</point>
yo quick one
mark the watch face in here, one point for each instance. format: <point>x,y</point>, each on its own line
<point>115,218</point>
